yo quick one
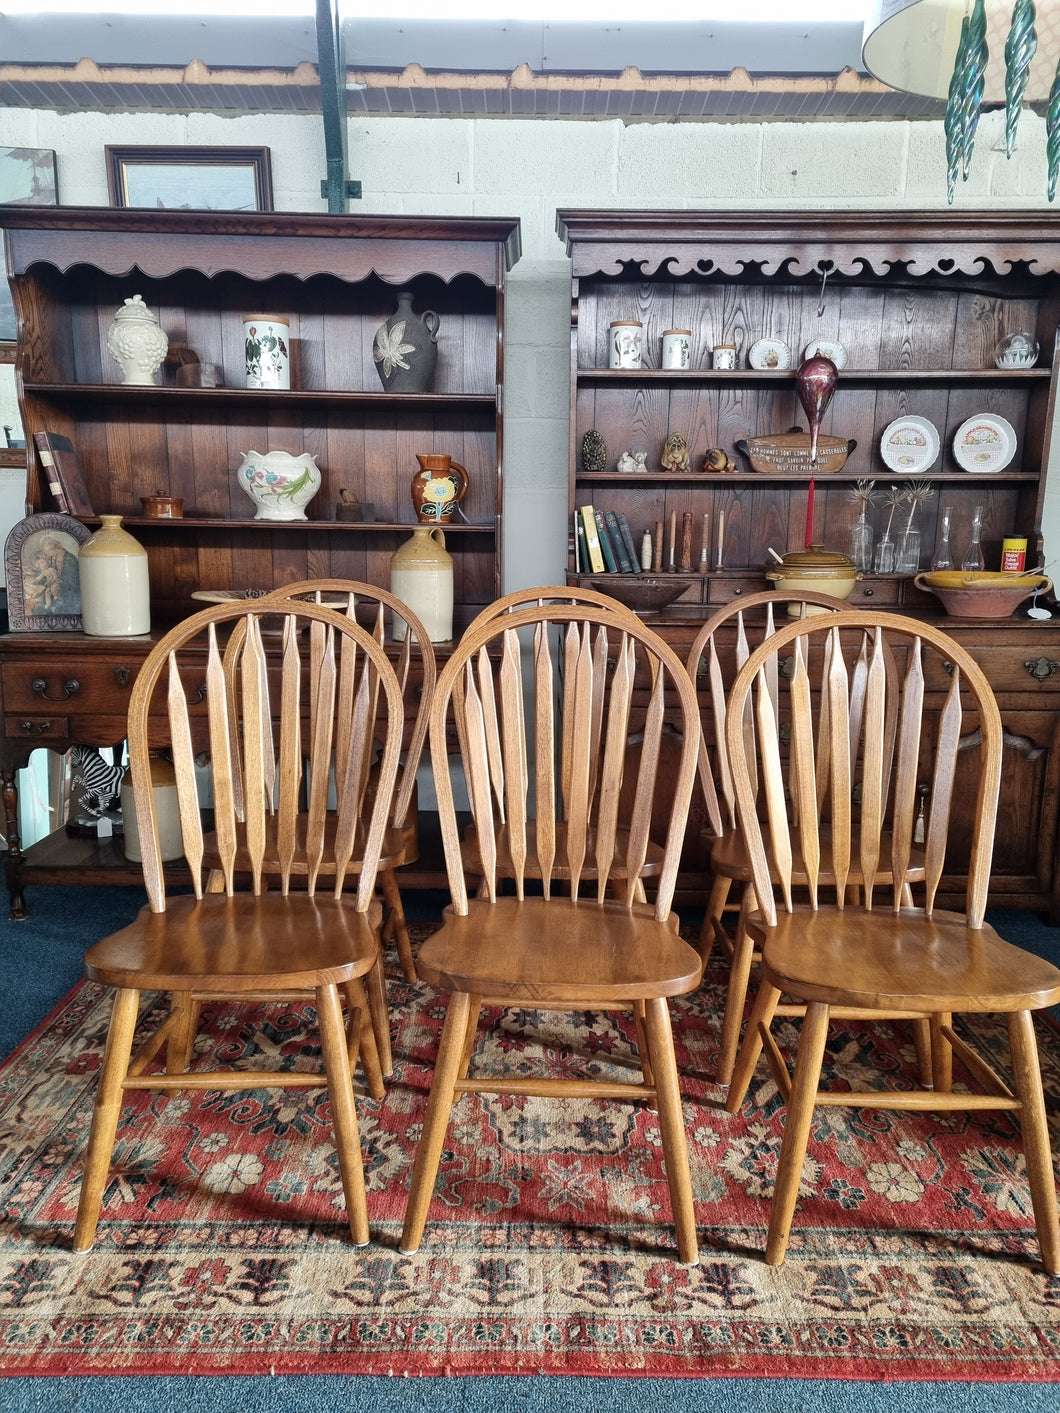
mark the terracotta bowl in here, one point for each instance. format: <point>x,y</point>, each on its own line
<point>645,593</point>
<point>965,594</point>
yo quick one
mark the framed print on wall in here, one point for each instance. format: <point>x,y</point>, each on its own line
<point>190,178</point>
<point>43,575</point>
<point>27,176</point>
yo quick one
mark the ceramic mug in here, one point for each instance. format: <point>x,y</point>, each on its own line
<point>626,343</point>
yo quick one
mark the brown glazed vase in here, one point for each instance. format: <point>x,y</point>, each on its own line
<point>437,488</point>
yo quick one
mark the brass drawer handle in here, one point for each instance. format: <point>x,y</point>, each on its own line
<point>1041,668</point>
<point>34,728</point>
<point>70,689</point>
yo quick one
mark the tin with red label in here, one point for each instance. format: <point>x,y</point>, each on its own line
<point>1013,554</point>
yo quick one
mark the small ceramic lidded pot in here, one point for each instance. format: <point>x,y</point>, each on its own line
<point>115,589</point>
<point>677,348</point>
<point>725,356</point>
<point>268,350</point>
<point>136,343</point>
<point>626,343</point>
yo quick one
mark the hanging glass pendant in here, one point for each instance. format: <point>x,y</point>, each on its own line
<point>972,82</point>
<point>1020,48</point>
<point>954,121</point>
<point>1052,134</point>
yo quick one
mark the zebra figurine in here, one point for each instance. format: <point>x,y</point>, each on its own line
<point>94,783</point>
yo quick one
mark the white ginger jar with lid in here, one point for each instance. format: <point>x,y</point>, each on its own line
<point>136,342</point>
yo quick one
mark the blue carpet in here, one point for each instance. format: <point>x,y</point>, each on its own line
<point>40,959</point>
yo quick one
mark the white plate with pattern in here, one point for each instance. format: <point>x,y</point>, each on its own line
<point>827,348</point>
<point>910,444</point>
<point>984,443</point>
<point>769,355</point>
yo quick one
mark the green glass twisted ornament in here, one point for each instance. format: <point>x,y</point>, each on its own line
<point>972,81</point>
<point>1020,48</point>
<point>1052,133</point>
<point>954,123</point>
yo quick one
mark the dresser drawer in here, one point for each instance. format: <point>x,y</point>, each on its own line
<point>27,727</point>
<point>1014,670</point>
<point>102,688</point>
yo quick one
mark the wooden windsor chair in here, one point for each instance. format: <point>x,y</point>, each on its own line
<point>281,945</point>
<point>512,603</point>
<point>865,957</point>
<point>578,950</point>
<point>416,667</point>
<point>745,621</point>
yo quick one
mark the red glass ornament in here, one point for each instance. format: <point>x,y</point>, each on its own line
<point>815,383</point>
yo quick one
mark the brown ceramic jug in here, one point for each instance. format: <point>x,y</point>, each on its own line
<point>437,488</point>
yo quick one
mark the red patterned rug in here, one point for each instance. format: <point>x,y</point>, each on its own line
<point>223,1247</point>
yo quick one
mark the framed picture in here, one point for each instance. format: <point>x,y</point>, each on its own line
<point>43,578</point>
<point>190,178</point>
<point>27,176</point>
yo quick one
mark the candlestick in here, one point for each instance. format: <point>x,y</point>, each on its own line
<point>645,552</point>
<point>657,549</point>
<point>809,515</point>
<point>686,541</point>
<point>704,549</point>
<point>721,539</point>
<point>673,539</point>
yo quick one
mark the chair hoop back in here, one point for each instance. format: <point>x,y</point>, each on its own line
<point>281,700</point>
<point>542,723</point>
<point>886,767</point>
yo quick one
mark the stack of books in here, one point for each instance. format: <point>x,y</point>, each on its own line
<point>604,542</point>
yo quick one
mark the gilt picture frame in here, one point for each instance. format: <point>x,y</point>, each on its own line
<point>43,574</point>
<point>190,178</point>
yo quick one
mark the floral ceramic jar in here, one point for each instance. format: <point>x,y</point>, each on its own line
<point>279,484</point>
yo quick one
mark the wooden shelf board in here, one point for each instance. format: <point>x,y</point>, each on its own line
<point>194,523</point>
<point>858,377</point>
<point>295,397</point>
<point>720,479</point>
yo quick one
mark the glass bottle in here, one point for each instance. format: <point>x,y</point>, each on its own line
<point>943,556</point>
<point>973,560</point>
<point>907,552</point>
<point>884,560</point>
<point>861,541</point>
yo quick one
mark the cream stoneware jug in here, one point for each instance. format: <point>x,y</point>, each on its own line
<point>421,575</point>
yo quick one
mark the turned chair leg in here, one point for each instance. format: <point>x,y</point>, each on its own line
<point>181,1040</point>
<point>762,1013</point>
<point>343,1112</point>
<point>719,896</point>
<point>1034,1126</point>
<point>105,1116</point>
<point>643,1043</point>
<point>805,1083</point>
<point>672,1125</point>
<point>361,1038</point>
<point>743,950</point>
<point>941,1054</point>
<point>392,895</point>
<point>473,1012</point>
<point>436,1121</point>
<point>377,1007</point>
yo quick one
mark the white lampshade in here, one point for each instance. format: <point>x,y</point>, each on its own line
<point>911,45</point>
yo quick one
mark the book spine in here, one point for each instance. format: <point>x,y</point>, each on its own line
<point>606,547</point>
<point>592,540</point>
<point>581,549</point>
<point>614,530</point>
<point>51,473</point>
<point>627,537</point>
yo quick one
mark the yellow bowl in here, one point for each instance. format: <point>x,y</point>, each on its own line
<point>981,593</point>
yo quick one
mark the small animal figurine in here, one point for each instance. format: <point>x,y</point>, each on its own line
<point>718,460</point>
<point>594,451</point>
<point>675,455</point>
<point>633,461</point>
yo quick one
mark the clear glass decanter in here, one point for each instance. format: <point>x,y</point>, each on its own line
<point>943,556</point>
<point>974,560</point>
<point>861,542</point>
<point>884,560</point>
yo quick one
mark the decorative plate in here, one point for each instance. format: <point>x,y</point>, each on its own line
<point>769,355</point>
<point>910,444</point>
<point>247,595</point>
<point>984,443</point>
<point>828,348</point>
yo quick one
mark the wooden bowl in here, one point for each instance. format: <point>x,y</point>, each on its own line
<point>967,594</point>
<point>645,593</point>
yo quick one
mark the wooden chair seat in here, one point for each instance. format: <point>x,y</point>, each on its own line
<point>469,852</point>
<point>223,945</point>
<point>514,950</point>
<point>391,856</point>
<point>902,960</point>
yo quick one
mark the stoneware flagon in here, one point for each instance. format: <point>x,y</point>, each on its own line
<point>421,575</point>
<point>406,348</point>
<point>437,488</point>
<point>279,484</point>
<point>115,586</point>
